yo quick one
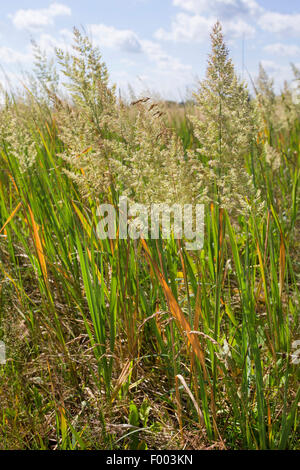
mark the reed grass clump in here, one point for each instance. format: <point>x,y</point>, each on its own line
<point>188,349</point>
<point>107,144</point>
<point>226,131</point>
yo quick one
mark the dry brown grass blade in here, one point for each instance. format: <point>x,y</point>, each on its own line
<point>11,216</point>
<point>184,326</point>
<point>122,379</point>
<point>83,220</point>
<point>188,391</point>
<point>179,409</point>
<point>176,310</point>
<point>13,182</point>
<point>39,247</point>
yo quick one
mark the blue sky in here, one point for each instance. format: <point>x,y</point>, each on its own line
<point>160,45</point>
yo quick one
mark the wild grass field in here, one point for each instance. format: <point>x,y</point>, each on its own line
<point>142,344</point>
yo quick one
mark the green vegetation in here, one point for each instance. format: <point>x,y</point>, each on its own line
<point>123,344</point>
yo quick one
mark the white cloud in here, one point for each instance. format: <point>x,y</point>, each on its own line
<point>191,28</point>
<point>128,41</point>
<point>279,72</point>
<point>34,20</point>
<point>108,36</point>
<point>237,28</point>
<point>10,56</point>
<point>282,49</point>
<point>187,28</point>
<point>280,23</point>
<point>9,81</point>
<point>164,73</point>
<point>198,17</point>
<point>49,43</point>
<point>273,67</point>
<point>163,60</point>
<point>220,8</point>
<point>239,18</point>
<point>127,62</point>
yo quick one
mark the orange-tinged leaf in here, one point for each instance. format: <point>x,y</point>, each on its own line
<point>11,216</point>
<point>13,182</point>
<point>176,310</point>
<point>84,152</point>
<point>39,246</point>
<point>83,220</point>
